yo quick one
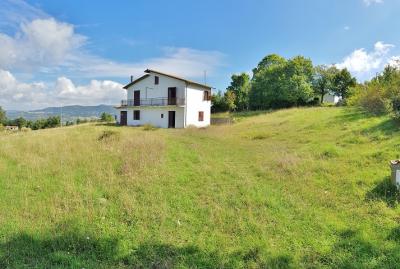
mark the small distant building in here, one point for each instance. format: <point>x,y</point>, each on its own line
<point>331,98</point>
<point>11,128</point>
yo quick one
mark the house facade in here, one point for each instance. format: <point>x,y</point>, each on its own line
<point>331,98</point>
<point>165,101</point>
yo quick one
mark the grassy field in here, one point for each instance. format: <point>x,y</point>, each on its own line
<point>294,188</point>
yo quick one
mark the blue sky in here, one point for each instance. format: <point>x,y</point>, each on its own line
<point>81,52</point>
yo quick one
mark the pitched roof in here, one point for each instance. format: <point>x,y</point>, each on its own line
<point>148,71</point>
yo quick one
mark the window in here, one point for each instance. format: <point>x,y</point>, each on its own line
<point>156,80</point>
<point>201,116</point>
<point>162,116</point>
<point>206,96</point>
<point>136,115</point>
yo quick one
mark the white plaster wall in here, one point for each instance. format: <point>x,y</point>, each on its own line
<point>195,104</point>
<point>331,99</point>
<point>153,116</point>
<point>149,90</point>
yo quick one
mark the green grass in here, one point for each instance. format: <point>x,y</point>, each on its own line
<point>297,188</point>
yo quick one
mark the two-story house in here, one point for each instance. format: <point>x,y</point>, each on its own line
<point>165,101</point>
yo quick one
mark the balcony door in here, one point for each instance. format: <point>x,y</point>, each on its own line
<point>172,96</point>
<point>136,98</point>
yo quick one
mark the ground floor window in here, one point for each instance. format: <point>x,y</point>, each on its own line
<point>201,116</point>
<point>136,115</point>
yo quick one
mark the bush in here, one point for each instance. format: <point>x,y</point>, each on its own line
<point>373,100</point>
<point>106,117</point>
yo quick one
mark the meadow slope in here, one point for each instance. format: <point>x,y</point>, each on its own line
<point>293,188</point>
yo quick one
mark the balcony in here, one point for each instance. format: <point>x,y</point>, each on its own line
<point>153,102</point>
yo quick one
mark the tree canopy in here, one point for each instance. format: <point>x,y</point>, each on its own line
<point>323,80</point>
<point>342,82</point>
<point>240,87</point>
<point>281,83</point>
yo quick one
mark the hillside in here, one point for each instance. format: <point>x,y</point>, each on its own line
<point>69,112</point>
<point>288,189</point>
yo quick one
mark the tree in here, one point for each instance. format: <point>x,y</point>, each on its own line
<point>240,86</point>
<point>3,117</point>
<point>106,117</point>
<point>268,61</point>
<point>342,82</point>
<point>53,122</point>
<point>323,80</point>
<point>279,83</point>
<point>230,99</point>
<point>20,122</point>
<point>218,103</point>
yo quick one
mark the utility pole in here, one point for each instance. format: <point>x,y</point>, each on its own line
<point>205,77</point>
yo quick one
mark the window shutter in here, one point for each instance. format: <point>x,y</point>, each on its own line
<point>201,116</point>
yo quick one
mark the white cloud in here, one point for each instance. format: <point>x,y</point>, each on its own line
<point>185,62</point>
<point>96,92</point>
<point>362,63</point>
<point>39,43</point>
<point>370,2</point>
<point>35,45</point>
<point>15,94</point>
<point>346,28</point>
<point>54,47</point>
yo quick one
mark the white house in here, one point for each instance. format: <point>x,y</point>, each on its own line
<point>165,101</point>
<point>331,98</point>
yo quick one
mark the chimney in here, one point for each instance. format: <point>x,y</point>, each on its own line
<point>131,78</point>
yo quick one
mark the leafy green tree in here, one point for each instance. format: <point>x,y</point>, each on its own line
<point>279,83</point>
<point>218,103</point>
<point>20,122</point>
<point>240,86</point>
<point>106,117</point>
<point>268,61</point>
<point>342,83</point>
<point>323,80</point>
<point>53,122</point>
<point>230,99</point>
<point>3,116</point>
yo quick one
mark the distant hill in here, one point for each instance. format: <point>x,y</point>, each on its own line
<point>68,112</point>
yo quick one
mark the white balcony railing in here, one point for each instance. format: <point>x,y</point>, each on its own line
<point>153,102</point>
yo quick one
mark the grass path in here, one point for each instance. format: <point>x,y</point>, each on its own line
<point>293,188</point>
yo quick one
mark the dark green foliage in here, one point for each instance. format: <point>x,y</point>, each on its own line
<point>50,122</point>
<point>342,82</point>
<point>218,102</point>
<point>323,80</point>
<point>20,122</point>
<point>381,95</point>
<point>279,83</point>
<point>240,87</point>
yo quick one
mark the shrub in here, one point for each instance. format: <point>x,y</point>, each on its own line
<point>106,117</point>
<point>373,100</point>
